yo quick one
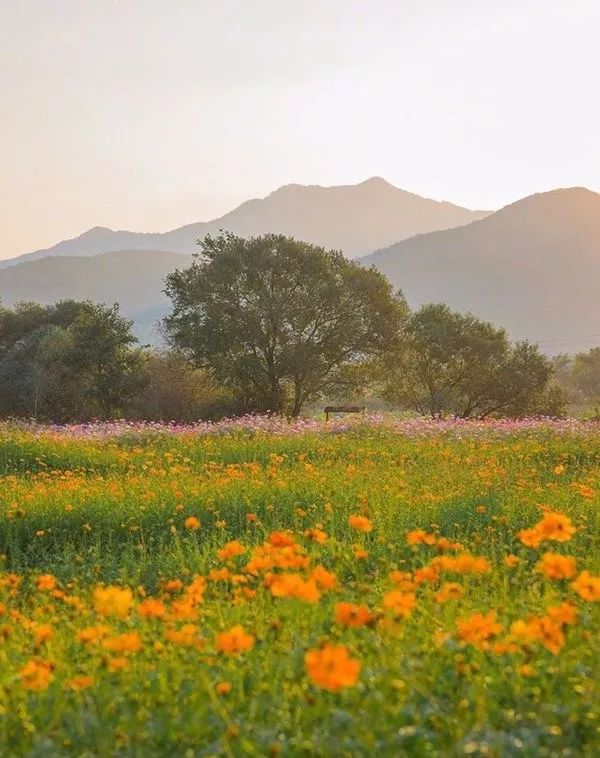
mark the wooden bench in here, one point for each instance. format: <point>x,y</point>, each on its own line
<point>343,409</point>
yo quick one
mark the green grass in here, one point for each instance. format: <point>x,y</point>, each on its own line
<point>93,512</point>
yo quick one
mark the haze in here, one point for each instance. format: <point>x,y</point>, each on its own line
<point>146,115</point>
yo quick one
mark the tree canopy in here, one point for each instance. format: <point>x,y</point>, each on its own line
<point>278,320</point>
<point>454,363</point>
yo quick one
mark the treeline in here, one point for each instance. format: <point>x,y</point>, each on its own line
<point>274,325</point>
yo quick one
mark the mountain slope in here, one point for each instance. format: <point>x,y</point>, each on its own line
<point>533,267</point>
<point>115,277</point>
<point>354,218</point>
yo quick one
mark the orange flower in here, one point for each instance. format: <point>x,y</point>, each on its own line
<point>187,636</point>
<point>43,633</point>
<point>192,523</point>
<point>530,537</point>
<point>219,575</point>
<point>316,535</point>
<point>113,601</point>
<point>351,615</point>
<point>325,579</point>
<point>478,628</point>
<point>36,675</point>
<point>556,527</point>
<point>420,537</point>
<point>234,641</point>
<point>331,667</point>
<point>555,566</point>
<point>550,634</point>
<point>360,523</point>
<point>223,688</point>
<point>449,591</point>
<point>359,552</point>
<point>120,663</point>
<point>92,633</point>
<point>45,582</point>
<point>565,613</point>
<point>400,603</point>
<point>293,585</point>
<point>129,642</point>
<point>511,561</point>
<point>587,586</point>
<point>151,608</point>
<point>230,550</point>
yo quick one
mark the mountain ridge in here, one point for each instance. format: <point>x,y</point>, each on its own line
<point>356,218</point>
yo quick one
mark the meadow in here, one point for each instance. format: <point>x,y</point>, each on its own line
<point>255,588</point>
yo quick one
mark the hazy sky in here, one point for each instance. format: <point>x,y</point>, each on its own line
<point>148,114</point>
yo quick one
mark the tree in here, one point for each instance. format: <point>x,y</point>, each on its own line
<point>454,363</point>
<point>102,353</point>
<point>278,320</point>
<point>69,361</point>
<point>585,375</point>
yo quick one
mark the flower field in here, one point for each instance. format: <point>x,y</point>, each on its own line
<point>255,588</point>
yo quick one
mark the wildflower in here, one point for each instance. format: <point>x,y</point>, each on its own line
<point>219,575</point>
<point>281,539</point>
<point>511,561</point>
<point>478,628</point>
<point>80,682</point>
<point>420,537</point>
<point>549,634</point>
<point>449,591</point>
<point>359,552</point>
<point>45,582</point>
<point>43,633</point>
<point>119,663</point>
<point>192,523</point>
<point>230,550</point>
<point>129,642</point>
<point>187,636</point>
<point>331,667</point>
<point>36,675</point>
<point>587,586</point>
<point>172,585</point>
<point>360,523</point>
<point>555,566</point>
<point>151,608</point>
<point>293,585</point>
<point>560,469</point>
<point>234,641</point>
<point>400,603</point>
<point>565,614</point>
<point>352,616</point>
<point>316,535</point>
<point>325,579</point>
<point>530,537</point>
<point>113,601</point>
<point>556,527</point>
<point>92,633</point>
<point>223,688</point>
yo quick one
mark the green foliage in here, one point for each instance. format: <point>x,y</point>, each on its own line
<point>70,361</point>
<point>454,363</point>
<point>277,320</point>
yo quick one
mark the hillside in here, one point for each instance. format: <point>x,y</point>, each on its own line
<point>355,218</point>
<point>134,279</point>
<point>533,267</point>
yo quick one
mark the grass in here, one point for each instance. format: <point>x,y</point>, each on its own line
<point>84,513</point>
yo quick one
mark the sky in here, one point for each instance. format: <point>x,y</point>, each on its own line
<point>149,114</point>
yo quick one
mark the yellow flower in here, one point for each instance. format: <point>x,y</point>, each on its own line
<point>113,601</point>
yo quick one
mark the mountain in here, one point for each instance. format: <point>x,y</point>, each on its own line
<point>532,267</point>
<point>355,218</point>
<point>115,277</point>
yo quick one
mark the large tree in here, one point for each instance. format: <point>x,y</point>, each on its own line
<point>454,363</point>
<point>278,320</point>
